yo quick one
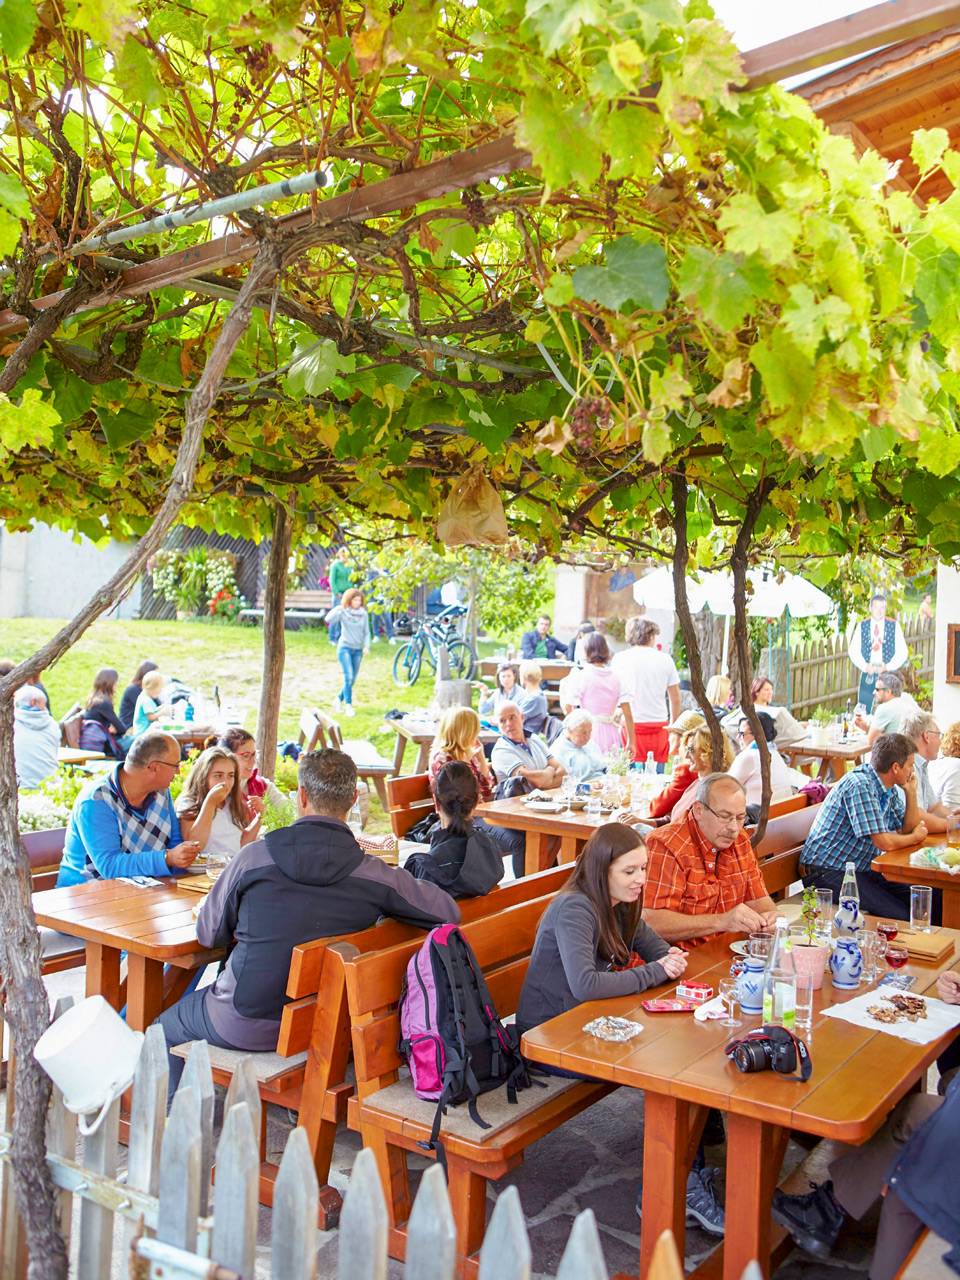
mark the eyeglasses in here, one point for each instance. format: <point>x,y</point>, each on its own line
<point>728,819</point>
<point>246,755</point>
<point>171,764</point>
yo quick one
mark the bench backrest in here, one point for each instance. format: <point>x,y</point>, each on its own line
<point>45,851</point>
<point>71,725</point>
<point>787,832</point>
<point>800,801</point>
<point>410,799</point>
<point>307,968</point>
<point>302,600</point>
<point>502,945</point>
<point>780,872</point>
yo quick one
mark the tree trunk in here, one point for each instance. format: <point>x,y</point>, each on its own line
<point>741,636</point>
<point>709,633</point>
<point>27,1009</point>
<point>274,640</point>
<point>681,554</point>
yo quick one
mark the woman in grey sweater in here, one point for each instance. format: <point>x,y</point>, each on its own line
<point>591,931</point>
<point>354,642</point>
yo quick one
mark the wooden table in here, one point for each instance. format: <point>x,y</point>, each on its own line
<point>77,755</point>
<point>858,1076</point>
<point>194,735</point>
<point>840,754</point>
<point>573,828</point>
<point>155,927</point>
<point>896,866</point>
<point>421,733</point>
<point>553,670</point>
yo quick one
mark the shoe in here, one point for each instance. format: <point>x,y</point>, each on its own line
<point>714,1133</point>
<point>703,1207</point>
<point>813,1220</point>
<point>392,640</point>
<point>349,711</point>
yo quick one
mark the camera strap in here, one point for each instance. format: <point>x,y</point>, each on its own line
<point>804,1060</point>
<point>803,1055</point>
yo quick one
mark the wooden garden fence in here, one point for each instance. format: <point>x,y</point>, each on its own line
<point>155,1218</point>
<point>822,675</point>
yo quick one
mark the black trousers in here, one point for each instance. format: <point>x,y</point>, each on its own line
<point>510,841</point>
<point>183,1021</point>
<point>878,897</point>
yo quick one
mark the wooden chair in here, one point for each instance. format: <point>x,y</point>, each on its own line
<point>70,726</point>
<point>392,1120</point>
<point>308,1072</point>
<point>409,800</point>
<point>316,729</point>
<point>45,850</point>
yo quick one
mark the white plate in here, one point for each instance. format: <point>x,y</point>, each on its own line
<point>739,948</point>
<point>545,806</point>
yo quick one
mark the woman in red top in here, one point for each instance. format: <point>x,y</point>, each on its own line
<point>458,738</point>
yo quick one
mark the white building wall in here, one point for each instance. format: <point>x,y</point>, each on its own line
<point>46,574</point>
<point>946,697</point>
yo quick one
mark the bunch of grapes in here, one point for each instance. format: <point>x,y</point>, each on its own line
<point>589,415</point>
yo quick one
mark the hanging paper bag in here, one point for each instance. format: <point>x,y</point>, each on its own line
<point>473,514</point>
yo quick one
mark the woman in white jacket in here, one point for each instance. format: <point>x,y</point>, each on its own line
<point>746,767</point>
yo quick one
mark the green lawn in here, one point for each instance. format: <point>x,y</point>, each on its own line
<point>203,655</point>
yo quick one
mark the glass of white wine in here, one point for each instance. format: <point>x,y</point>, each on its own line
<point>729,996</point>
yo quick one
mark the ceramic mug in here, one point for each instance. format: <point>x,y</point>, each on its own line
<point>91,1055</point>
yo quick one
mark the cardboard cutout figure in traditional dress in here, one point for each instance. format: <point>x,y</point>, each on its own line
<point>877,644</point>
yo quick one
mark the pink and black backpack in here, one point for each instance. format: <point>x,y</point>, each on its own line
<point>450,1035</point>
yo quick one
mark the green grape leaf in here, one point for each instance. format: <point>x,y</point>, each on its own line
<point>128,423</point>
<point>631,273</point>
<point>749,228</point>
<point>927,148</point>
<point>136,74</point>
<point>315,373</point>
<point>29,423</point>
<point>18,21</point>
<point>717,285</point>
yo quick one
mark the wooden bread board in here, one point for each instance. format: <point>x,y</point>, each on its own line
<point>195,884</point>
<point>930,947</point>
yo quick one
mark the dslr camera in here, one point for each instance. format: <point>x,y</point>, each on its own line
<point>771,1048</point>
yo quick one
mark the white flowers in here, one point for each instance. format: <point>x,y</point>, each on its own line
<point>38,812</point>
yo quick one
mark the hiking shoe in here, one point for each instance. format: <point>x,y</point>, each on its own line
<point>703,1207</point>
<point>813,1220</point>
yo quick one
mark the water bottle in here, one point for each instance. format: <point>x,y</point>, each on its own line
<point>847,917</point>
<point>780,980</point>
<point>355,819</point>
<point>650,776</point>
<point>188,715</point>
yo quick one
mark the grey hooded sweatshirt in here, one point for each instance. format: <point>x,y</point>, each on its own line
<point>309,880</point>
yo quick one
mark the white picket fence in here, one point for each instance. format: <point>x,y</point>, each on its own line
<point>163,1198</point>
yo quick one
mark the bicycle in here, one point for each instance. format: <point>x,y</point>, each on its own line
<point>424,645</point>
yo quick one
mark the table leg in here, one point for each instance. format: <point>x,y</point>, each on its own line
<point>103,973</point>
<point>570,847</point>
<point>664,1202</point>
<point>537,852</point>
<point>423,759</point>
<point>144,991</point>
<point>755,1152</point>
<point>398,751</point>
<point>951,908</point>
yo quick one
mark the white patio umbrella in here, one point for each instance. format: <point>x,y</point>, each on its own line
<point>770,598</point>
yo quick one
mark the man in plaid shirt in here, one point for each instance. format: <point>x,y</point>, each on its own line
<point>872,810</point>
<point>703,878</point>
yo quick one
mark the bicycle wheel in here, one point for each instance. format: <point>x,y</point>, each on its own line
<point>406,665</point>
<point>462,660</point>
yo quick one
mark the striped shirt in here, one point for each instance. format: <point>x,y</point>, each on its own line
<point>858,807</point>
<point>686,874</point>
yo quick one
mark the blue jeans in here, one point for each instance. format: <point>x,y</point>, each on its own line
<point>382,624</point>
<point>349,660</point>
<point>333,630</point>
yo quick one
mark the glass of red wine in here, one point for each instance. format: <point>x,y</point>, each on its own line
<point>888,930</point>
<point>897,957</point>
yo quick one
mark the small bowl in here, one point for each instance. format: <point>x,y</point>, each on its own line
<point>578,804</point>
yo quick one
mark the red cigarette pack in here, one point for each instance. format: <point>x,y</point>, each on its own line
<point>670,1005</point>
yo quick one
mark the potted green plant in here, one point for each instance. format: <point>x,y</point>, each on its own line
<point>810,950</point>
<point>820,726</point>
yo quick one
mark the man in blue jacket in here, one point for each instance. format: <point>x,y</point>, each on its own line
<point>539,643</point>
<point>914,1156</point>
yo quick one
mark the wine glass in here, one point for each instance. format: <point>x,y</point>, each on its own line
<point>897,957</point>
<point>888,930</point>
<point>568,785</point>
<point>728,994</point>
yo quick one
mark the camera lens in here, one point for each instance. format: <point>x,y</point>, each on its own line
<point>752,1055</point>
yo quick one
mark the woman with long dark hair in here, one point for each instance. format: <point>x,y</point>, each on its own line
<point>587,936</point>
<point>102,729</point>
<point>128,703</point>
<point>463,858</point>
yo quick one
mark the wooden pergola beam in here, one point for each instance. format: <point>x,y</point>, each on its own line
<point>882,24</point>
<point>440,177</point>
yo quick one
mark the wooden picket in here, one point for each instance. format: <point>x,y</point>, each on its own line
<point>822,675</point>
<point>164,1195</point>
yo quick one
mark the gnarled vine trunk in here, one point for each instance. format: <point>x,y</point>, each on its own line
<point>274,640</point>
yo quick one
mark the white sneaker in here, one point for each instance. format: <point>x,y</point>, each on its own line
<point>392,640</point>
<point>349,711</point>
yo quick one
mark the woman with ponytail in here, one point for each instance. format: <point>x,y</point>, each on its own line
<point>462,858</point>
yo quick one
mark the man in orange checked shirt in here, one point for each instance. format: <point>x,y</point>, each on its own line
<point>703,878</point>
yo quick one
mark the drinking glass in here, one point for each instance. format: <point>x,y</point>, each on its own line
<point>758,944</point>
<point>897,957</point>
<point>568,785</point>
<point>825,911</point>
<point>804,1001</point>
<point>953,832</point>
<point>869,943</point>
<point>921,896</point>
<point>728,994</point>
<point>888,930</point>
<point>216,863</point>
<point>593,805</point>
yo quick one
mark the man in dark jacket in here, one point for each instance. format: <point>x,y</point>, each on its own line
<point>309,880</point>
<point>914,1156</point>
<point>539,643</point>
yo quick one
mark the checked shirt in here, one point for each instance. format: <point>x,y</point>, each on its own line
<point>857,807</point>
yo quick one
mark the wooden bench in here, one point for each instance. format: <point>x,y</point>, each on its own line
<point>45,851</point>
<point>390,1117</point>
<point>792,805</point>
<point>307,1074</point>
<point>320,730</point>
<point>779,851</point>
<point>409,800</point>
<point>925,1259</point>
<point>308,606</point>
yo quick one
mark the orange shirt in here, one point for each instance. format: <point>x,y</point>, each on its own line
<point>686,874</point>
